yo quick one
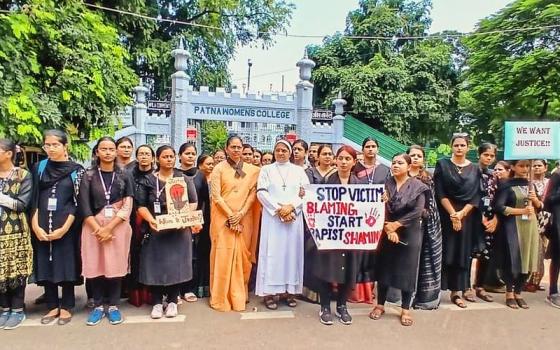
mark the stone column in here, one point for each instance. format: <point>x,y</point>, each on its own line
<point>140,113</point>
<point>338,121</point>
<point>304,98</point>
<point>179,96</point>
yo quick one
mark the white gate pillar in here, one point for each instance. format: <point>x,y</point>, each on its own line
<point>179,96</point>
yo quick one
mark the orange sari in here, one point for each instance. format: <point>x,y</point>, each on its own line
<point>231,253</point>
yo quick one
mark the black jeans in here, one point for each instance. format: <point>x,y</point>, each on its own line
<point>13,298</point>
<point>325,294</point>
<point>68,300</point>
<point>406,296</point>
<point>108,289</point>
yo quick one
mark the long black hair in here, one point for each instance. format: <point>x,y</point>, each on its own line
<point>60,135</point>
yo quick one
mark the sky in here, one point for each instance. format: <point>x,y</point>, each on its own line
<point>325,17</point>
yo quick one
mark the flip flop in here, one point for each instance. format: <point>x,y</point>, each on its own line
<point>522,303</point>
<point>510,302</point>
<point>190,297</point>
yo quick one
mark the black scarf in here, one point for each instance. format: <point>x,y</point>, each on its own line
<point>55,171</point>
<point>239,173</point>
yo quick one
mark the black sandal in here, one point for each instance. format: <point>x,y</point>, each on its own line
<point>522,303</point>
<point>270,303</point>
<point>457,300</point>
<point>510,302</point>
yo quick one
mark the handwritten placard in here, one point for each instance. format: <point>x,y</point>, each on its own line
<point>348,217</point>
<point>174,221</point>
<point>532,140</point>
<point>178,214</point>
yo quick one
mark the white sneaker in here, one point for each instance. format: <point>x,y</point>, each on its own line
<point>157,311</point>
<point>171,310</point>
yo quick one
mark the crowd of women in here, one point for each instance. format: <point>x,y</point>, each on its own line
<point>62,226</point>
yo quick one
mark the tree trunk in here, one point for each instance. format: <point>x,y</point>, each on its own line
<point>544,109</point>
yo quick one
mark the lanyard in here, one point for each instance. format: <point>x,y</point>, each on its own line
<point>105,189</point>
<point>370,173</point>
<point>158,191</point>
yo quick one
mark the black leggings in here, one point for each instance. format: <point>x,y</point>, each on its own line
<point>171,291</point>
<point>12,299</point>
<point>553,274</point>
<point>106,289</point>
<point>68,300</point>
<point>325,294</point>
<point>514,283</point>
<point>406,296</point>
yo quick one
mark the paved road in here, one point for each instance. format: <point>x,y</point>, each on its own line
<point>482,325</point>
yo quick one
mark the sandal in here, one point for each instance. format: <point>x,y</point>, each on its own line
<point>469,296</point>
<point>522,303</point>
<point>64,320</point>
<point>270,303</point>
<point>50,316</point>
<point>406,320</point>
<point>481,293</point>
<point>190,297</point>
<point>510,302</point>
<point>456,299</point>
<point>377,312</point>
<point>291,301</point>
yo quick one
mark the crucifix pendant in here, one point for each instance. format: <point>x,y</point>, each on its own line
<point>284,187</point>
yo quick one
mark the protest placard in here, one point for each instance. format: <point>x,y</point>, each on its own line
<point>531,140</point>
<point>349,217</point>
<point>178,214</point>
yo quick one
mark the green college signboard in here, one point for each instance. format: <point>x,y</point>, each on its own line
<point>532,140</point>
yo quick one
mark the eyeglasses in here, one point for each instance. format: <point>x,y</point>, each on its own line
<point>142,154</point>
<point>55,146</point>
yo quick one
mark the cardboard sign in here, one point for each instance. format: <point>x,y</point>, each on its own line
<point>348,217</point>
<point>175,221</point>
<point>531,140</point>
<point>178,214</point>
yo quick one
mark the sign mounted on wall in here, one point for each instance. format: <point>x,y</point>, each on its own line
<point>531,140</point>
<point>242,113</point>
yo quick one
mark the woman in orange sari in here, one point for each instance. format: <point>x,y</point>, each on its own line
<point>233,188</point>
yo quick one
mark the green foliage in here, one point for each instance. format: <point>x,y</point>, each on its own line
<point>60,67</point>
<point>214,136</point>
<point>513,74</point>
<point>433,154</point>
<point>150,43</point>
<point>407,89</point>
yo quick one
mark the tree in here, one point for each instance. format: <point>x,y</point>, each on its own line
<point>238,23</point>
<point>405,88</point>
<point>60,67</point>
<point>214,136</point>
<point>513,74</point>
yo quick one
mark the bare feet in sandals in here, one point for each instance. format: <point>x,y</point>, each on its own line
<point>456,299</point>
<point>406,318</point>
<point>377,312</point>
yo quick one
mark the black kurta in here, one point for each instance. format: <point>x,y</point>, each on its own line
<point>552,205</point>
<point>461,187</point>
<point>166,256</point>
<point>57,261</point>
<point>335,266</point>
<point>397,264</point>
<point>201,241</point>
<point>376,175</point>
